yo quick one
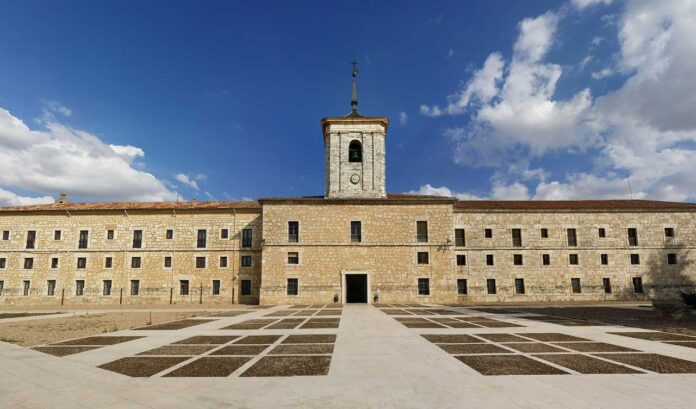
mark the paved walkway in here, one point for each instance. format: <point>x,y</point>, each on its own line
<point>377,362</point>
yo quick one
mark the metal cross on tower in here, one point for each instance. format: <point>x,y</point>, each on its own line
<point>354,99</point>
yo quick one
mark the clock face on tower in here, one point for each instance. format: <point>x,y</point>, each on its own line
<point>354,179</point>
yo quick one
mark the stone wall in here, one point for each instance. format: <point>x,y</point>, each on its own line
<point>157,282</point>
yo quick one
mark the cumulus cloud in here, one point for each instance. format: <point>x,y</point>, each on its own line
<point>63,159</point>
<point>186,180</point>
<point>8,198</point>
<point>581,4</point>
<point>429,190</point>
<point>644,130</point>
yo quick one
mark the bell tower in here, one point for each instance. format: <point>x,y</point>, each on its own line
<point>354,152</point>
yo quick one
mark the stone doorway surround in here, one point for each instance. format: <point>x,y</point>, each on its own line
<point>344,287</point>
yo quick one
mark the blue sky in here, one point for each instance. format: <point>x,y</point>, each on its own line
<point>222,100</point>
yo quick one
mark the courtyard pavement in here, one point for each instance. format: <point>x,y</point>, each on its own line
<point>376,361</point>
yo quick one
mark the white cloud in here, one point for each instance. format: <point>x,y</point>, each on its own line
<point>8,198</point>
<point>403,118</point>
<point>581,4</point>
<point>56,107</point>
<point>606,72</point>
<point>186,180</point>
<point>429,190</point>
<point>63,159</point>
<point>450,53</point>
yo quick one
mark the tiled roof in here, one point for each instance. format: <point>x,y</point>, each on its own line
<point>396,197</point>
<point>594,205</point>
<point>133,206</point>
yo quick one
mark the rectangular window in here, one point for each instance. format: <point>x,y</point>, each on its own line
<point>2,286</point>
<point>26,284</point>
<point>572,238</point>
<point>293,285</point>
<point>604,259</point>
<point>51,287</point>
<point>79,288</point>
<point>517,259</point>
<point>293,258</point>
<point>247,238</point>
<point>200,262</point>
<point>6,235</point>
<point>57,235</point>
<point>672,258</point>
<point>488,233</point>
<point>638,285</point>
<point>28,263</point>
<point>602,232</point>
<point>54,262</point>
<point>3,263</point>
<point>632,237</point>
<point>82,262</point>
<point>224,234</point>
<point>544,233</point>
<point>169,235</point>
<point>223,261</point>
<point>462,287</point>
<point>423,286</point>
<point>489,259</point>
<point>461,259</point>
<point>573,259</point>
<point>293,232</point>
<point>201,238</point>
<point>245,287</point>
<point>167,261</point>
<point>183,287</point>
<point>216,287</point>
<point>106,287</point>
<point>606,283</point>
<point>108,262</point>
<point>490,286</point>
<point>355,232</point>
<point>519,286</point>
<point>575,285</point>
<point>246,261</point>
<point>134,287</point>
<point>546,259</point>
<point>109,234</point>
<point>516,237</point>
<point>422,232</point>
<point>84,239</point>
<point>135,262</point>
<point>31,239</point>
<point>137,239</point>
<point>423,257</point>
<point>459,237</point>
<point>635,259</point>
<point>669,232</point>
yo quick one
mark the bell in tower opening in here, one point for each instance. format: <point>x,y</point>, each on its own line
<point>355,151</point>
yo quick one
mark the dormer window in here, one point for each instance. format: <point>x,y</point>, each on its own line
<point>355,151</point>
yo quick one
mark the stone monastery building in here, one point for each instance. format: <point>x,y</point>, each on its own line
<point>356,243</point>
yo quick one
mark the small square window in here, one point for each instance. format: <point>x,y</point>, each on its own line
<point>638,285</point>
<point>490,286</point>
<point>606,284</point>
<point>423,286</point>
<point>167,261</point>
<point>224,234</point>
<point>134,287</point>
<point>488,233</point>
<point>293,257</point>
<point>602,232</point>
<point>57,235</point>
<point>519,286</point>
<point>669,232</point>
<point>216,287</point>
<point>28,263</point>
<point>223,261</point>
<point>135,262</point>
<point>635,259</point>
<point>183,287</point>
<point>246,261</point>
<point>245,288</point>
<point>169,235</point>
<point>672,258</point>
<point>293,286</point>
<point>200,262</point>
<point>106,287</point>
<point>79,288</point>
<point>462,287</point>
<point>109,234</point>
<point>108,262</point>
<point>604,259</point>
<point>82,262</point>
<point>573,259</point>
<point>575,285</point>
<point>546,259</point>
<point>461,259</point>
<point>517,259</point>
<point>54,262</point>
<point>423,257</point>
<point>544,233</point>
<point>489,259</point>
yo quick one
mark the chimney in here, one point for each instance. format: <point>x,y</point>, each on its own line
<point>62,198</point>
